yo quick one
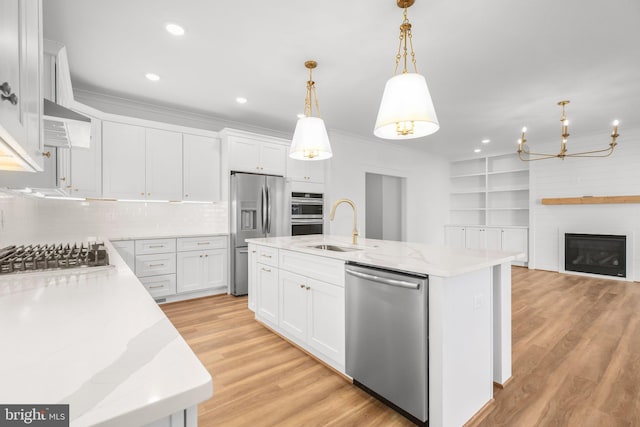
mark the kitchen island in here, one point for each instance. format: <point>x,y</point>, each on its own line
<point>297,288</point>
<point>96,340</point>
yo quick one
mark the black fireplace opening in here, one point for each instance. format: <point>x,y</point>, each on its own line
<point>596,253</point>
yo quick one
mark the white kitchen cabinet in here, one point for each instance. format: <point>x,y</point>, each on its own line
<point>163,166</point>
<point>482,238</point>
<point>86,165</point>
<point>160,286</point>
<point>326,319</point>
<point>123,166</point>
<point>201,168</point>
<point>454,236</point>
<point>198,270</point>
<point>293,304</point>
<point>126,250</point>
<point>267,294</point>
<point>141,163</point>
<point>249,152</point>
<point>155,264</point>
<point>251,277</point>
<point>20,69</point>
<point>517,240</point>
<point>305,171</point>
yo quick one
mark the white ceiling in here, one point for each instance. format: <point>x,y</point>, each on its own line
<point>492,66</point>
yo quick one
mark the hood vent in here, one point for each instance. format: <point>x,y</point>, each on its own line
<point>64,127</point>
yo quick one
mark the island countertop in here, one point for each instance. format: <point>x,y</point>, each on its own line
<point>403,256</point>
<point>95,340</point>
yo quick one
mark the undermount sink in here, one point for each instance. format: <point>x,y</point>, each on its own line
<point>335,248</point>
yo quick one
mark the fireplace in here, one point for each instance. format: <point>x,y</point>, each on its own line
<point>595,253</point>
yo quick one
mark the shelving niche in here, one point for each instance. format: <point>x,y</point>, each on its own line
<point>490,191</point>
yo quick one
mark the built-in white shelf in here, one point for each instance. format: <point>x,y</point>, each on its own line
<point>490,191</point>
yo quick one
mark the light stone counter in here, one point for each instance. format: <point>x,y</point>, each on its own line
<point>404,256</point>
<point>97,341</point>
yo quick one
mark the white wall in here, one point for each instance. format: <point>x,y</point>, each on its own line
<point>427,183</point>
<point>30,220</point>
<point>618,174</point>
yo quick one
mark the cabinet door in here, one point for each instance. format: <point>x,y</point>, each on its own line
<point>160,286</point>
<point>272,158</point>
<point>244,154</point>
<point>326,319</point>
<point>293,304</point>
<point>189,271</point>
<point>267,294</point>
<point>63,170</point>
<point>126,249</point>
<point>454,237</point>
<point>305,171</point>
<point>251,276</point>
<point>201,168</point>
<point>474,238</point>
<point>20,50</point>
<point>123,153</point>
<point>516,240</point>
<point>163,165</point>
<point>86,165</point>
<point>214,268</point>
<point>492,238</point>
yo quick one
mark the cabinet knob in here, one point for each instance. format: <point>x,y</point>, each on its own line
<point>75,189</point>
<point>257,167</point>
<point>186,195</point>
<point>63,179</point>
<point>200,256</point>
<point>46,154</point>
<point>6,95</point>
<point>308,287</point>
<point>69,186</point>
<point>206,255</point>
<point>148,194</point>
<point>301,286</point>
<point>142,194</point>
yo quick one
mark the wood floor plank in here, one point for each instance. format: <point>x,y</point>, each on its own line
<point>576,362</point>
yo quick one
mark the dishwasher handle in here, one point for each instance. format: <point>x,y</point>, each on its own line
<point>384,280</point>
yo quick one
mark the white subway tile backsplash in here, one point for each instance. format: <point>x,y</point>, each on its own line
<point>31,220</point>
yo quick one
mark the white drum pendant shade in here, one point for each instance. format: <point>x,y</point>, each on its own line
<point>310,140</point>
<point>406,99</point>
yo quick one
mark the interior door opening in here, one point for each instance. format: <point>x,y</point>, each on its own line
<point>385,207</point>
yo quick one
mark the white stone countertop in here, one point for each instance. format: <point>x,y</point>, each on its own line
<point>403,256</point>
<point>95,340</point>
<point>169,236</point>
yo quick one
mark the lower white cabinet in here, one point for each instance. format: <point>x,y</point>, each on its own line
<point>301,297</point>
<point>199,270</point>
<point>160,286</point>
<point>513,239</point>
<point>251,277</point>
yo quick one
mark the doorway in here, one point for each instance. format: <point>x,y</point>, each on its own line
<point>384,207</point>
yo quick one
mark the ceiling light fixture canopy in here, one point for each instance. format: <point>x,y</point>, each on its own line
<point>310,139</point>
<point>406,110</point>
<point>528,156</point>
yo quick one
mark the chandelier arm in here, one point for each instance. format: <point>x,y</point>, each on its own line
<point>547,156</point>
<point>594,153</point>
<point>315,96</point>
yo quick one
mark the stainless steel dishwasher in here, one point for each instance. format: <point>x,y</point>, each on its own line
<point>387,336</point>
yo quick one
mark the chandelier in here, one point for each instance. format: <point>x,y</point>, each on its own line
<point>406,110</point>
<point>310,140</point>
<point>528,156</point>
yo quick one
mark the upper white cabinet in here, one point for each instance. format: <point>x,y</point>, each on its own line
<point>86,165</point>
<point>21,143</point>
<point>123,155</point>
<point>305,171</point>
<point>141,163</point>
<point>163,164</point>
<point>201,168</point>
<point>250,152</point>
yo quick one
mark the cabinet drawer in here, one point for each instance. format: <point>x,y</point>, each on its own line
<point>155,265</point>
<point>201,243</point>
<point>155,246</point>
<point>317,267</point>
<point>160,286</point>
<point>267,255</point>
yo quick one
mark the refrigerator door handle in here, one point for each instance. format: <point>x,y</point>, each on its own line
<point>263,211</point>
<point>268,209</point>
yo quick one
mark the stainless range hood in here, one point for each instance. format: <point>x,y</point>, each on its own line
<point>64,127</point>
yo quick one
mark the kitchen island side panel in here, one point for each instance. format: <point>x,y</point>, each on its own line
<point>460,346</point>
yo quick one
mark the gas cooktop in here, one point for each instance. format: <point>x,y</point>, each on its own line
<point>43,257</point>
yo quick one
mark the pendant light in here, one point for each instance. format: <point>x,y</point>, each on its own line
<point>406,110</point>
<point>310,139</point>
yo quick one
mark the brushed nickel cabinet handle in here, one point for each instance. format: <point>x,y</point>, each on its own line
<point>204,243</point>
<point>266,269</point>
<point>266,256</point>
<point>156,287</point>
<point>156,265</point>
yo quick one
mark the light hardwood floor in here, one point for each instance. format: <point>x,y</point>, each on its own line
<point>576,362</point>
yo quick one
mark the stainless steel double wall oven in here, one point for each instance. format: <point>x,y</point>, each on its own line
<point>307,213</point>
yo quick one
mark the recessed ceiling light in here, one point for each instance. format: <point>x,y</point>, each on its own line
<point>175,29</point>
<point>301,116</point>
<point>486,141</point>
<point>152,77</point>
<point>477,150</point>
<point>241,100</point>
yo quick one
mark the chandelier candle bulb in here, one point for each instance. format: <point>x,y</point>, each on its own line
<point>615,128</point>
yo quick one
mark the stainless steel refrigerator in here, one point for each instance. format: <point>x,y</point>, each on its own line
<point>258,209</point>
